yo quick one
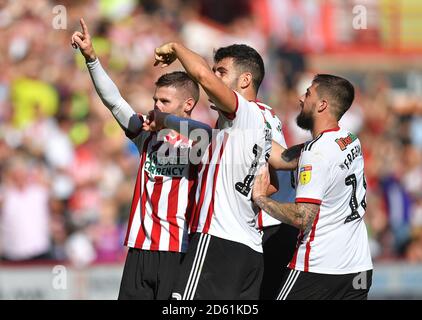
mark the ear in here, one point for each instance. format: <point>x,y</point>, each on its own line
<point>322,105</point>
<point>189,105</point>
<point>245,80</point>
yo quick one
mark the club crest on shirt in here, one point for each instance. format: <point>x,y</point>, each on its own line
<point>305,174</point>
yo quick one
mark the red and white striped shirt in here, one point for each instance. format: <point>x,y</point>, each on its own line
<point>163,191</point>
<point>223,205</point>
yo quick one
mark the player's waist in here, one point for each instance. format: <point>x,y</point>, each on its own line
<point>253,241</point>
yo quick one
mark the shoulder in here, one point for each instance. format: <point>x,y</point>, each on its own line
<point>331,143</point>
<point>266,109</point>
<point>248,109</point>
<point>141,138</point>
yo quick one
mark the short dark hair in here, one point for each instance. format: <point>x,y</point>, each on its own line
<point>339,91</point>
<point>246,59</point>
<point>179,80</point>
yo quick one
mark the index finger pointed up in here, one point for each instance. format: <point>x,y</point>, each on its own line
<point>84,26</point>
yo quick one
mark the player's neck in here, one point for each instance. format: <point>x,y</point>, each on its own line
<point>322,126</point>
<point>248,94</point>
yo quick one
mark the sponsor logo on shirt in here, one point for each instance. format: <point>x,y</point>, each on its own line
<point>170,162</point>
<point>305,174</point>
<point>344,142</point>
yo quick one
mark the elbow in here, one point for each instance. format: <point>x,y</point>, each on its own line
<point>276,165</point>
<point>203,74</point>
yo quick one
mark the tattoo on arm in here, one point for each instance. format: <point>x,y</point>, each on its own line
<point>292,153</point>
<point>299,215</point>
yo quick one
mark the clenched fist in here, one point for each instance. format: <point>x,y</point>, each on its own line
<point>155,121</point>
<point>165,55</point>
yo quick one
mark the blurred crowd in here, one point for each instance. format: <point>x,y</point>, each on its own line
<point>67,169</point>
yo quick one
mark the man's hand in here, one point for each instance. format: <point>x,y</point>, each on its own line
<point>261,183</point>
<point>83,41</point>
<point>155,121</point>
<point>165,55</point>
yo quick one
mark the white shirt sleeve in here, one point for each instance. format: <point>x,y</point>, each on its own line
<point>110,96</point>
<point>313,177</point>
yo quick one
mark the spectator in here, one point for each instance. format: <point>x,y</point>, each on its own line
<point>25,213</point>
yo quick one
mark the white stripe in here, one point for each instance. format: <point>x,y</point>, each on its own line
<point>195,263</point>
<point>208,237</point>
<point>291,286</point>
<point>286,284</point>
<point>164,241</point>
<point>148,222</point>
<point>136,222</point>
<point>209,184</point>
<point>181,210</point>
<point>135,227</point>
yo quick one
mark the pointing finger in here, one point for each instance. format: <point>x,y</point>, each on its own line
<point>84,26</point>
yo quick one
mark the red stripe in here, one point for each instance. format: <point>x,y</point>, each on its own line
<point>217,166</point>
<point>260,223</point>
<point>135,200</point>
<point>173,201</point>
<point>194,225</point>
<point>140,238</point>
<point>292,264</point>
<point>137,191</point>
<point>156,225</point>
<point>308,244</point>
<point>332,129</point>
<point>193,185</point>
<point>308,200</point>
<point>141,233</point>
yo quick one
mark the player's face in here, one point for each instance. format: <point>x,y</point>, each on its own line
<point>169,100</point>
<point>308,103</point>
<point>226,71</point>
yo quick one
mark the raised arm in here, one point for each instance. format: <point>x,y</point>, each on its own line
<point>223,97</point>
<point>105,87</point>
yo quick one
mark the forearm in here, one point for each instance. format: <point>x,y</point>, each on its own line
<point>110,96</point>
<point>300,216</point>
<point>194,64</point>
<point>186,125</point>
<point>285,159</point>
<point>199,70</point>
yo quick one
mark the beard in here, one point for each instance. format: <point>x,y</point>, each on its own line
<point>305,121</point>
